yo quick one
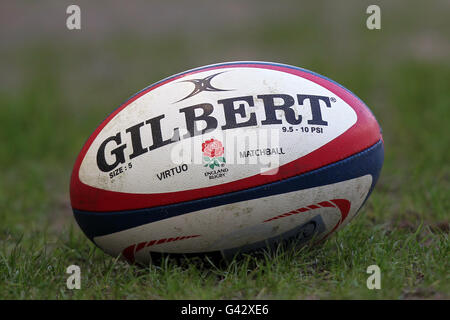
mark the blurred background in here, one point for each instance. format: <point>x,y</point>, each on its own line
<point>57,85</point>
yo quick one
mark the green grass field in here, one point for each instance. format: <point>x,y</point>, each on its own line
<point>54,93</point>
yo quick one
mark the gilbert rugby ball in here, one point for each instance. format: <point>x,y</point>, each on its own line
<point>226,158</point>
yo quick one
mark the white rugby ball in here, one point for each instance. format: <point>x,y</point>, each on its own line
<point>226,158</point>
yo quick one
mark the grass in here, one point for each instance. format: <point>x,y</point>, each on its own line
<point>64,91</point>
<point>412,265</point>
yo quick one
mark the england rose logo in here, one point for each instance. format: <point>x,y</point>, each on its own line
<point>213,153</point>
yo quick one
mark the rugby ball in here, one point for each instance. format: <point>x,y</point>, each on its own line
<point>226,158</point>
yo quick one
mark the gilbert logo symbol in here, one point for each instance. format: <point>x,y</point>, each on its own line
<point>202,85</point>
<point>213,153</point>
